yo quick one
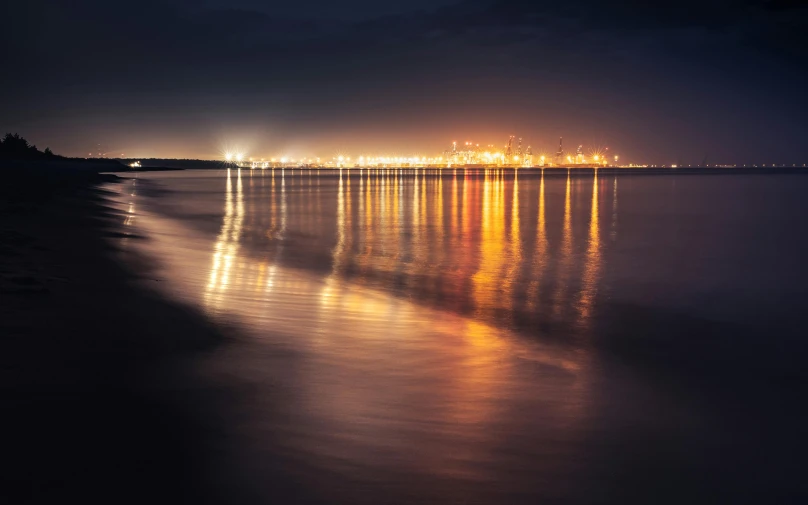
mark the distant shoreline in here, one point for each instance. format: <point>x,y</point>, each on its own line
<point>520,170</point>
<point>180,164</point>
<point>113,166</point>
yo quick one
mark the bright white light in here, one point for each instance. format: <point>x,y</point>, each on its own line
<point>228,156</point>
<point>239,157</point>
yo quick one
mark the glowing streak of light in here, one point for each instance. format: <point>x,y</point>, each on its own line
<point>540,250</point>
<point>566,251</point>
<point>593,258</point>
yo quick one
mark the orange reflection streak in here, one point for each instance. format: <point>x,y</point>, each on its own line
<point>368,231</point>
<point>593,259</point>
<point>455,215</point>
<point>364,209</point>
<point>360,236</point>
<point>486,280</point>
<point>284,207</point>
<point>466,233</point>
<point>512,277</point>
<point>540,251</point>
<point>566,253</point>
<point>227,244</point>
<point>454,232</point>
<point>339,251</point>
<point>260,277</point>
<point>278,226</point>
<point>423,244</point>
<point>424,217</point>
<point>273,215</point>
<point>416,227</point>
<point>130,210</point>
<point>311,205</point>
<point>386,235</point>
<point>398,206</point>
<point>383,212</point>
<point>319,201</point>
<point>440,246</point>
<point>475,388</point>
<point>614,210</point>
<point>388,224</point>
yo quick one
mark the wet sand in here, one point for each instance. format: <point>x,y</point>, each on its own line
<point>91,357</point>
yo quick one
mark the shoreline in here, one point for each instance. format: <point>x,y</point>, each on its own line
<point>82,343</point>
<point>554,170</point>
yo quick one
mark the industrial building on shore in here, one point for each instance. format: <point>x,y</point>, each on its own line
<point>468,155</point>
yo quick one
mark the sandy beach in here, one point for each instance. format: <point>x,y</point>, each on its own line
<point>88,409</point>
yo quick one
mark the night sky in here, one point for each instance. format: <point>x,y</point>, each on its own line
<point>657,82</point>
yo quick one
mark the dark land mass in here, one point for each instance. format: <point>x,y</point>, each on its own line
<point>89,408</point>
<point>17,154</point>
<point>64,169</point>
<point>173,164</point>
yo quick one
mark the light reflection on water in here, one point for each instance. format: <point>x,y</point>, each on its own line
<point>399,385</point>
<point>394,232</point>
<point>422,328</point>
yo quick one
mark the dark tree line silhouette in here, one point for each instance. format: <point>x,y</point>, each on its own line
<point>14,147</point>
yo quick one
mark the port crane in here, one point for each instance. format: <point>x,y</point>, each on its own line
<point>509,148</point>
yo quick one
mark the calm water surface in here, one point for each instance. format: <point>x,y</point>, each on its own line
<point>493,337</point>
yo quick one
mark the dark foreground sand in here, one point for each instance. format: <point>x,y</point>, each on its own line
<point>89,357</point>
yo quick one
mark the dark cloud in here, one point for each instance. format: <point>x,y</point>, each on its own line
<point>718,69</point>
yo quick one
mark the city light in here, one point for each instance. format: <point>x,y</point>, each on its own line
<point>468,155</point>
